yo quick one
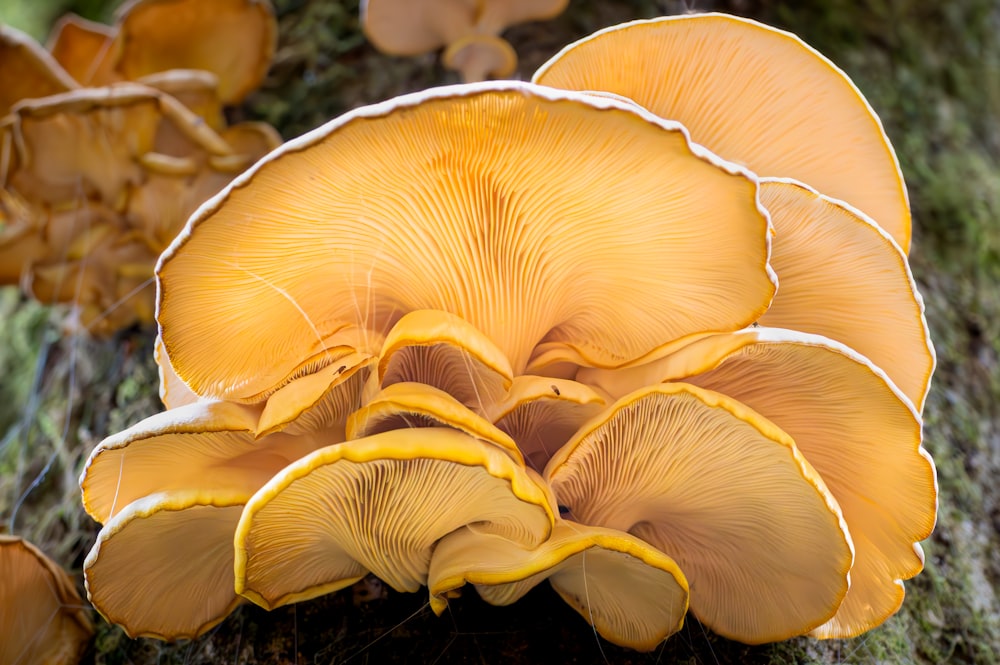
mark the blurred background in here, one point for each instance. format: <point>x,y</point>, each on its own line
<point>932,72</point>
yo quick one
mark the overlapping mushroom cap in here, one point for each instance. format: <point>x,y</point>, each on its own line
<point>515,344</point>
<point>753,94</point>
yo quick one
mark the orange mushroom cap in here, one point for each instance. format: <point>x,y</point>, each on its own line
<point>753,94</point>
<point>533,214</point>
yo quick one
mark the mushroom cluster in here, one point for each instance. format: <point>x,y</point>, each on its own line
<point>497,333</point>
<point>467,30</point>
<point>112,137</point>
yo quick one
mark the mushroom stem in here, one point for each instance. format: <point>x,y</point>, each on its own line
<point>480,57</point>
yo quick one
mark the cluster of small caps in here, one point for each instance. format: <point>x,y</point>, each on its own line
<point>509,338</point>
<point>467,30</point>
<point>112,136</point>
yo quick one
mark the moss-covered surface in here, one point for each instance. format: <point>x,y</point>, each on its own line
<point>931,70</point>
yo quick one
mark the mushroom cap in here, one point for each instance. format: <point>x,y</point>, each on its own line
<point>443,351</point>
<point>531,213</point>
<point>412,27</point>
<point>843,277</point>
<point>480,57</point>
<point>633,594</point>
<point>163,566</point>
<point>724,493</point>
<point>86,50</point>
<point>403,405</point>
<point>233,39</point>
<point>541,414</point>
<point>173,392</point>
<point>857,430</point>
<point>28,71</point>
<point>205,446</point>
<point>379,504</point>
<point>753,94</point>
<point>42,619</point>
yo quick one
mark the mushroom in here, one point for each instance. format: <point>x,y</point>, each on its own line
<point>28,70</point>
<point>468,30</point>
<point>633,594</point>
<point>86,50</point>
<point>725,494</point>
<point>233,39</point>
<point>843,277</point>
<point>753,94</point>
<point>379,504</point>
<point>42,619</point>
<point>851,423</point>
<point>517,211</point>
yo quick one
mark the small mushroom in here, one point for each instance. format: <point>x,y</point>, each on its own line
<point>750,93</point>
<point>468,30</point>
<point>633,594</point>
<point>725,494</point>
<point>379,504</point>
<point>42,619</point>
<point>541,414</point>
<point>533,214</point>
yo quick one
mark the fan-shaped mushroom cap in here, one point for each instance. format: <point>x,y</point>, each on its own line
<point>196,89</point>
<point>205,446</point>
<point>724,493</point>
<point>531,213</point>
<point>42,619</point>
<point>163,566</point>
<point>86,50</point>
<point>856,429</point>
<point>633,594</point>
<point>379,504</point>
<point>404,405</point>
<point>541,414</point>
<point>28,71</point>
<point>753,94</point>
<point>233,39</point>
<point>444,351</point>
<point>845,278</point>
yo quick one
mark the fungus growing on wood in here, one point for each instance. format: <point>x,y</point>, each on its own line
<point>462,221</point>
<point>633,594</point>
<point>725,494</point>
<point>750,93</point>
<point>379,504</point>
<point>42,619</point>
